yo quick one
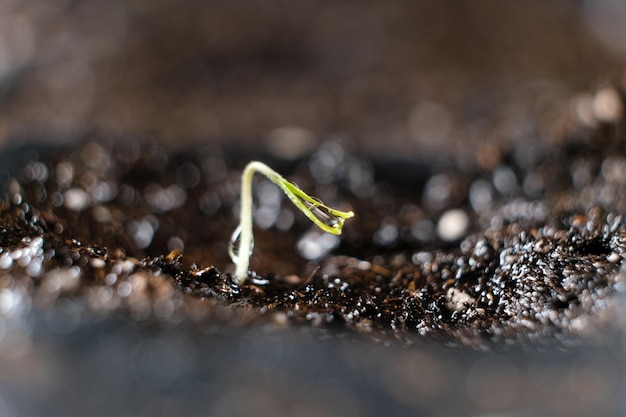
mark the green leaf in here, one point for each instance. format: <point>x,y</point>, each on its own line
<point>326,218</point>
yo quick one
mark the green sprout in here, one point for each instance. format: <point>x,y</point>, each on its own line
<point>242,241</point>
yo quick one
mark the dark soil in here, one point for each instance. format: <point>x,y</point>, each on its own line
<point>521,243</point>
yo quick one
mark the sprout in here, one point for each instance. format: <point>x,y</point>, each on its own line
<point>242,242</point>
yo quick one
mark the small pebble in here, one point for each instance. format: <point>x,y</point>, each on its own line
<point>607,105</point>
<point>76,199</point>
<point>457,300</point>
<point>452,225</point>
<point>6,261</point>
<point>613,258</point>
<point>97,263</point>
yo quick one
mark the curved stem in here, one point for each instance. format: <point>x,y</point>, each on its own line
<point>328,219</point>
<point>245,218</point>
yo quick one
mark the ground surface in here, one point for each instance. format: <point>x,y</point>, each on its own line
<point>527,249</point>
<point>481,145</point>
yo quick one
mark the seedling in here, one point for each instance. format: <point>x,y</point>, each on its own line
<point>242,241</point>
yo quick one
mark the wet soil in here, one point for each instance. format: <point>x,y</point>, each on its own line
<point>522,243</point>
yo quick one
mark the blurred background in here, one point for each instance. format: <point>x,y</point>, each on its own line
<point>394,76</point>
<point>400,79</point>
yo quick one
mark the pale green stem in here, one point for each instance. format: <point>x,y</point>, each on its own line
<point>328,219</point>
<point>245,218</point>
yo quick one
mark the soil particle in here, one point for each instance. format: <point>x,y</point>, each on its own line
<point>526,251</point>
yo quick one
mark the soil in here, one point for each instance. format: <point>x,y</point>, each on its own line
<point>522,242</point>
<point>481,145</point>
